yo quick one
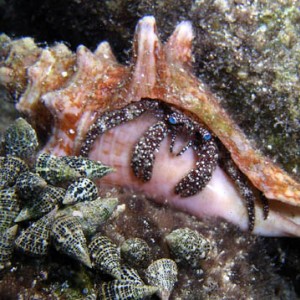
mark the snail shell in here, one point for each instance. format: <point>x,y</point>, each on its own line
<point>9,207</point>
<point>53,169</point>
<point>188,246</point>
<point>29,184</point>
<point>81,190</point>
<point>10,168</point>
<point>20,139</point>
<point>7,246</point>
<point>82,85</point>
<point>68,238</point>
<point>105,256</point>
<point>163,274</point>
<point>86,167</point>
<point>125,290</point>
<point>91,214</point>
<point>35,240</point>
<point>136,252</point>
<point>130,274</point>
<point>48,199</point>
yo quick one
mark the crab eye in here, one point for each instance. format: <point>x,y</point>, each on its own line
<point>207,136</point>
<point>172,120</point>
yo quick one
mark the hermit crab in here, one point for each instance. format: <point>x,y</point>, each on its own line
<point>198,138</point>
<point>65,93</point>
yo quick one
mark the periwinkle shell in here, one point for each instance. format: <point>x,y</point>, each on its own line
<point>9,207</point>
<point>20,139</point>
<point>105,256</point>
<point>53,169</point>
<point>68,238</point>
<point>10,168</point>
<point>162,273</point>
<point>29,184</point>
<point>48,199</point>
<point>86,167</point>
<point>35,240</point>
<point>136,252</point>
<point>125,290</point>
<point>7,245</point>
<point>188,246</point>
<point>81,190</point>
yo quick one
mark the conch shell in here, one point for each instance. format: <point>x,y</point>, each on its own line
<point>65,92</point>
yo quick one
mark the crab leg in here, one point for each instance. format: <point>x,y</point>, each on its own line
<point>112,119</point>
<point>243,187</point>
<point>185,148</point>
<point>197,178</point>
<point>143,155</point>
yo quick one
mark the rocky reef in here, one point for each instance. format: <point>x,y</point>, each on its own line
<point>248,53</point>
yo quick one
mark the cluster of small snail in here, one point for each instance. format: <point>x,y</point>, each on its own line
<point>57,197</point>
<point>161,275</point>
<point>33,193</point>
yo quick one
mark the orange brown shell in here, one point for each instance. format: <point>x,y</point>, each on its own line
<point>69,90</point>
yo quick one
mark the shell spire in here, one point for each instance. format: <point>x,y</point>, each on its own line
<point>53,169</point>
<point>123,290</point>
<point>91,214</point>
<point>43,76</point>
<point>105,54</point>
<point>163,274</point>
<point>105,256</point>
<point>20,139</point>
